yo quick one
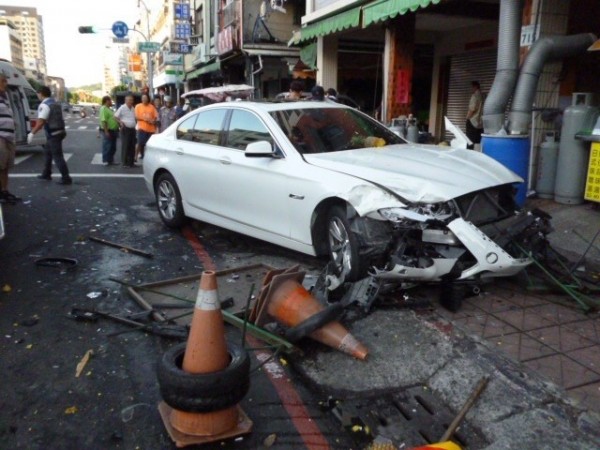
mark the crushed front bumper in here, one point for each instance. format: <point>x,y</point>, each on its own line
<point>490,259</point>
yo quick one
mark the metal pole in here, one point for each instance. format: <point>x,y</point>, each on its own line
<point>150,55</point>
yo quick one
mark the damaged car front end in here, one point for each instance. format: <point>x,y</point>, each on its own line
<point>472,237</point>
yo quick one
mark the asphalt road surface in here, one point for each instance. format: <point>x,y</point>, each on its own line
<point>113,403</point>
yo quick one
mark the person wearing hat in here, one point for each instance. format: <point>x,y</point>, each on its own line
<point>167,114</point>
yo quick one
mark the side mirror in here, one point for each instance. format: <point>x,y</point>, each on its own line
<point>260,149</point>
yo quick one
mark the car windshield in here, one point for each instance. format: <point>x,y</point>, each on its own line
<point>323,130</point>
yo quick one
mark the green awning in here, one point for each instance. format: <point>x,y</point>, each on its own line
<point>328,25</point>
<point>388,9</point>
<point>308,55</point>
<point>211,67</point>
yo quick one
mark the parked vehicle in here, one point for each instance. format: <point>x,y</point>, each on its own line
<point>23,100</point>
<point>323,178</point>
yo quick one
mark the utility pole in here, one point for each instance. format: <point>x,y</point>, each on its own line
<point>150,55</point>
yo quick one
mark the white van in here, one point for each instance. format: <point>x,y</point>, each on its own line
<point>23,100</point>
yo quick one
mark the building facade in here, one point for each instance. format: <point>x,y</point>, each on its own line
<point>11,46</point>
<point>31,31</point>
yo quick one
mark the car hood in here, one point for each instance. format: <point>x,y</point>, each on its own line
<point>419,173</point>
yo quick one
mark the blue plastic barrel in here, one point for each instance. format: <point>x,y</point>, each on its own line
<point>512,152</point>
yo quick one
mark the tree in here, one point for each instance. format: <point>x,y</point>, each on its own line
<point>119,88</point>
<point>34,84</point>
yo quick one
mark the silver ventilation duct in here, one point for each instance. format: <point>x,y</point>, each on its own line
<point>542,51</point>
<point>507,67</point>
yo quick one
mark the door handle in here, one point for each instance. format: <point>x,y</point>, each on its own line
<point>225,160</point>
<point>179,151</point>
<point>296,197</point>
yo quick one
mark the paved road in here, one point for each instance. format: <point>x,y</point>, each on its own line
<point>113,403</point>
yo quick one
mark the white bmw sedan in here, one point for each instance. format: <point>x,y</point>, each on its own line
<point>323,178</point>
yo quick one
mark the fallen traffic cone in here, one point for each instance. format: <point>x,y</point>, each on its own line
<point>291,305</point>
<point>205,353</point>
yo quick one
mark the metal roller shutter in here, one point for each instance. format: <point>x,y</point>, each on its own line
<point>464,68</point>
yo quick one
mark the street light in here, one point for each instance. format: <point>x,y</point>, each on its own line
<point>151,54</point>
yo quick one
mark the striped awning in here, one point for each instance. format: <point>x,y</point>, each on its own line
<point>388,9</point>
<point>343,21</point>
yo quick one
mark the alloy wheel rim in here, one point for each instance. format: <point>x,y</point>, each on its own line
<point>167,200</point>
<point>339,244</point>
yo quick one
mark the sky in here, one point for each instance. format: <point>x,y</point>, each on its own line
<point>78,58</point>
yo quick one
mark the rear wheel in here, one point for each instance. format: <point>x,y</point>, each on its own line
<point>343,246</point>
<point>168,201</point>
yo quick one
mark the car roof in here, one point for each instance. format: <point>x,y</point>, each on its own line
<point>270,107</point>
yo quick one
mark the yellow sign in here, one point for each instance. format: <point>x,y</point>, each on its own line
<point>592,185</point>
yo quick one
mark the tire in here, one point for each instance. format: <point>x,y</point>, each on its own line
<point>314,322</point>
<point>168,201</point>
<point>343,246</point>
<point>203,392</point>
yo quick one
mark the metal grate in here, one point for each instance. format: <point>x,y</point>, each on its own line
<point>413,417</point>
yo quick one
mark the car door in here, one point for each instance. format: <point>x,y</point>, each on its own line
<point>254,194</point>
<point>195,157</point>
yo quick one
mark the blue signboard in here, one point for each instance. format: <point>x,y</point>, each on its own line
<point>182,30</point>
<point>182,11</point>
<point>120,29</point>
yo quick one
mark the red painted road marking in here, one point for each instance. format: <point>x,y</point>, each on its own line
<point>290,399</point>
<point>201,252</point>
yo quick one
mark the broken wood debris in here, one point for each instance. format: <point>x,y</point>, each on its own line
<point>123,248</point>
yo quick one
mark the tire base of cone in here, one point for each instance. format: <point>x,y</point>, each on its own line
<point>243,426</point>
<point>288,302</point>
<point>206,352</point>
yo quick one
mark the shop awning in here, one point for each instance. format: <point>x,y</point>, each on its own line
<point>211,67</point>
<point>388,9</point>
<point>339,22</point>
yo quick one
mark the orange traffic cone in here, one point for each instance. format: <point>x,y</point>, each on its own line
<point>290,304</point>
<point>206,352</point>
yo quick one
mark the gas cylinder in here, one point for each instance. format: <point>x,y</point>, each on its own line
<point>547,159</point>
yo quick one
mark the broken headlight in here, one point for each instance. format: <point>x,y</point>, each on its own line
<point>419,213</point>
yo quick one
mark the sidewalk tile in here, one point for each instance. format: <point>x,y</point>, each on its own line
<point>521,347</point>
<point>587,328</point>
<point>485,325</point>
<point>563,370</point>
<point>492,303</point>
<point>587,396</point>
<point>560,338</point>
<point>525,319</point>
<point>589,357</point>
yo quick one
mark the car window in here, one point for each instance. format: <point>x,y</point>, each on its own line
<point>323,130</point>
<point>208,126</point>
<point>32,98</point>
<point>186,128</point>
<point>245,128</point>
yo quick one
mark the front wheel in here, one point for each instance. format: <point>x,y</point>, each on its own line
<point>168,201</point>
<point>343,246</point>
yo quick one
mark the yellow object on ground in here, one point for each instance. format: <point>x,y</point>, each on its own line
<point>447,445</point>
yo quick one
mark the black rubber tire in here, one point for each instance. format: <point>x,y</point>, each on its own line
<point>203,392</point>
<point>337,215</point>
<point>329,314</point>
<point>165,191</point>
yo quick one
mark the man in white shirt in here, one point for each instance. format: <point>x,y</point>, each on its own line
<point>125,115</point>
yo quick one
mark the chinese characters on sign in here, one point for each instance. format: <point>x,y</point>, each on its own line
<point>592,186</point>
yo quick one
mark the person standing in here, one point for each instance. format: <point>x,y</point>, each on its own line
<point>474,122</point>
<point>125,115</point>
<point>167,114</point>
<point>180,109</point>
<point>50,118</point>
<point>296,89</point>
<point>147,118</point>
<point>110,131</point>
<point>7,143</point>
